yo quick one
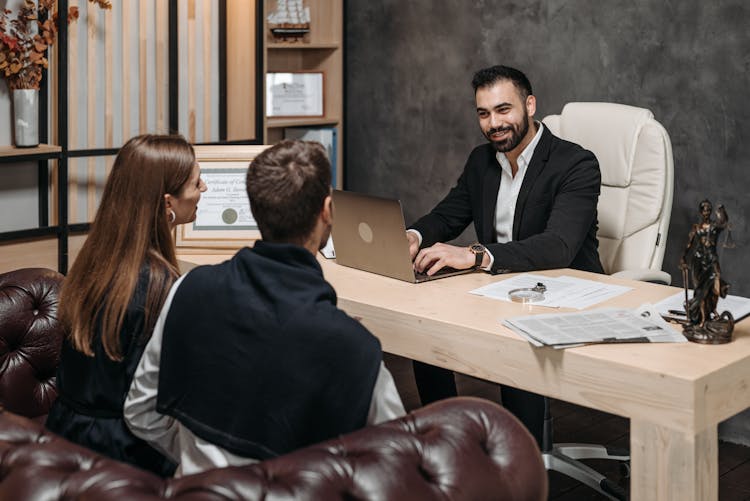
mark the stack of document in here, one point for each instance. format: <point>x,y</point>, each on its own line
<point>562,292</point>
<point>605,325</point>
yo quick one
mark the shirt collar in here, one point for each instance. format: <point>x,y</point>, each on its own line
<point>525,157</point>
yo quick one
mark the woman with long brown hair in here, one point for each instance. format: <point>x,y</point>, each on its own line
<point>115,289</point>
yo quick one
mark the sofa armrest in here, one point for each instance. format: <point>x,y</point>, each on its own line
<point>31,339</point>
<point>462,448</point>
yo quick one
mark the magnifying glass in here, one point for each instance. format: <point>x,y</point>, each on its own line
<point>528,294</point>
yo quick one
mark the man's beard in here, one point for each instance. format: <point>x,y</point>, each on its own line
<point>517,133</point>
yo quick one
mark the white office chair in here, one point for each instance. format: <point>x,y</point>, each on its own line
<point>635,158</point>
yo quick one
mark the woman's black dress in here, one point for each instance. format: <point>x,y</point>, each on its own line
<point>92,392</point>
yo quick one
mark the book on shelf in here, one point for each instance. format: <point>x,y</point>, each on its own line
<point>324,135</point>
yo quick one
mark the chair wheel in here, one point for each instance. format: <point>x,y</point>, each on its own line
<point>625,469</point>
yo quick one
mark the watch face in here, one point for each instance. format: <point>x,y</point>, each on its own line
<point>478,250</point>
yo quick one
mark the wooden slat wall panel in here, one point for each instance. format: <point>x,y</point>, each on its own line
<point>143,68</point>
<point>130,60</point>
<point>126,70</point>
<point>207,56</point>
<point>109,54</point>
<point>89,193</point>
<point>241,113</point>
<point>118,87</point>
<point>54,137</point>
<point>118,75</point>
<point>91,74</point>
<point>191,67</point>
<point>198,62</point>
<point>74,108</point>
<point>162,64</point>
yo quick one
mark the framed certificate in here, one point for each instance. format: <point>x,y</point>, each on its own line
<point>224,219</point>
<point>298,94</point>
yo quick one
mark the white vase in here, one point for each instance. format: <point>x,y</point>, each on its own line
<point>26,117</point>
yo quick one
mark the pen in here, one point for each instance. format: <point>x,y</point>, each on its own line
<point>677,320</point>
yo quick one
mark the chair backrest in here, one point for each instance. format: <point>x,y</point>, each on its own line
<point>635,158</point>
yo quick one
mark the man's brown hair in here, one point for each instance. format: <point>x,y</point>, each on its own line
<point>287,185</point>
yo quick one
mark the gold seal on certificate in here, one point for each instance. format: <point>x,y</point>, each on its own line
<point>229,216</point>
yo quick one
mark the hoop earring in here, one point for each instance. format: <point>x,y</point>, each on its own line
<point>172,216</point>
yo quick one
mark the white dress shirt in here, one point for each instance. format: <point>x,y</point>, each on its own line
<point>192,453</point>
<point>507,195</point>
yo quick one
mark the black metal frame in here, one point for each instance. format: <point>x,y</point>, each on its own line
<point>62,128</point>
<point>63,229</point>
<point>344,113</point>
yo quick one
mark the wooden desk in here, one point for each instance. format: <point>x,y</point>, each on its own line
<point>674,394</point>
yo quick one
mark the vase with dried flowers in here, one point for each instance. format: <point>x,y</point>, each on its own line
<point>24,41</point>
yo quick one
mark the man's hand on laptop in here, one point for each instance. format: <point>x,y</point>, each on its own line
<point>430,260</point>
<point>413,244</point>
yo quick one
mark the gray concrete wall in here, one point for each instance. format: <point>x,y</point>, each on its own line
<point>410,110</point>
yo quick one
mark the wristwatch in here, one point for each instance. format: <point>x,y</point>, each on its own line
<point>478,250</point>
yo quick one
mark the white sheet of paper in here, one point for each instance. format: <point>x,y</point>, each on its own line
<point>738,306</point>
<point>564,291</point>
<point>328,251</point>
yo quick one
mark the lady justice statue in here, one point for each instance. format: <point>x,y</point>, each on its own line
<point>704,324</point>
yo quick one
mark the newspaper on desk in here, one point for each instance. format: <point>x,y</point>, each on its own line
<point>604,325</point>
<point>562,292</point>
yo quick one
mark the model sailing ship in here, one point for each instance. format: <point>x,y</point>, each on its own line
<point>291,20</point>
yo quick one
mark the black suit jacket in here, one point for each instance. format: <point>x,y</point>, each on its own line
<point>554,225</point>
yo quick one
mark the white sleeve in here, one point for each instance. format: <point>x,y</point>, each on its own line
<point>492,260</point>
<point>140,406</point>
<point>386,402</point>
<point>417,233</point>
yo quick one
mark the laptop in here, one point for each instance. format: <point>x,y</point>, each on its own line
<point>369,234</point>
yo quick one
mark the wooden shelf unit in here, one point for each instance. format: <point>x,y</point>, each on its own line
<point>321,49</point>
<point>12,153</point>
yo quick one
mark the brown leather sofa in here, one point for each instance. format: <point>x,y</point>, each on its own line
<point>463,448</point>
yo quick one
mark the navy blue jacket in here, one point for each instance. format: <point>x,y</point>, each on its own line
<point>257,358</point>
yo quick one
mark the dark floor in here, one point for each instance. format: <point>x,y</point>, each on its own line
<point>580,424</point>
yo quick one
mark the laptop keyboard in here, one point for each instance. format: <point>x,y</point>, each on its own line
<point>420,275</point>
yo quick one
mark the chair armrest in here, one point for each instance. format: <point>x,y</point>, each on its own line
<point>645,275</point>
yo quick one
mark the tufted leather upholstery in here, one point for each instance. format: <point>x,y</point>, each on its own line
<point>461,449</point>
<point>30,340</point>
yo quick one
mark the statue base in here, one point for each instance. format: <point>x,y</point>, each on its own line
<point>717,331</point>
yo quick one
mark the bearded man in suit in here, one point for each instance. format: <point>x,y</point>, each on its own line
<point>532,198</point>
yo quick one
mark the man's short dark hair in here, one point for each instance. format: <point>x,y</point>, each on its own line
<point>489,76</point>
<point>287,185</point>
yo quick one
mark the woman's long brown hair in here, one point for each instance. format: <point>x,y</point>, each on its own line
<point>130,230</point>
